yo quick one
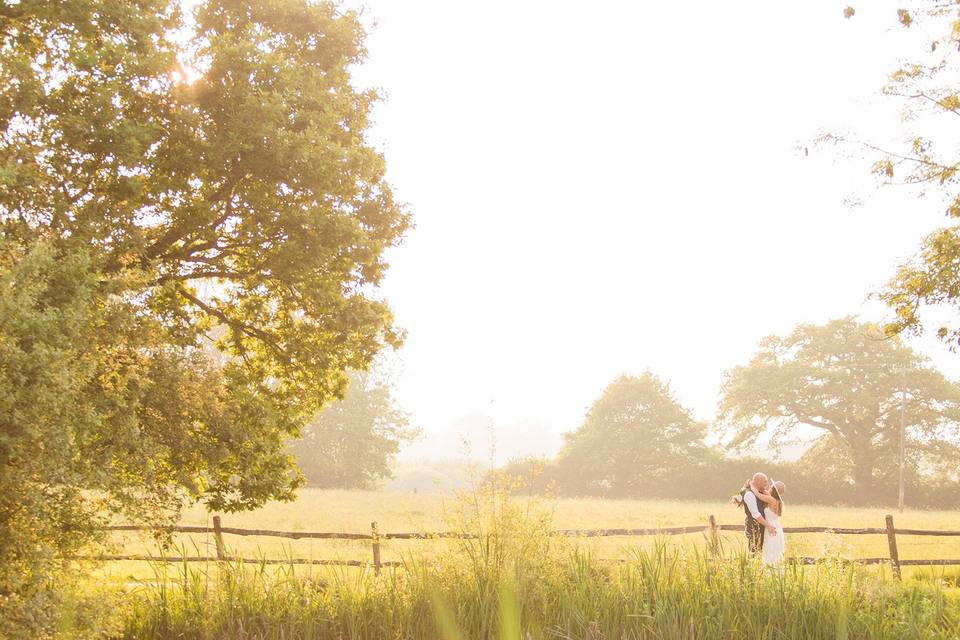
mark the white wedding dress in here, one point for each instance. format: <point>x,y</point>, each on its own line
<point>774,547</point>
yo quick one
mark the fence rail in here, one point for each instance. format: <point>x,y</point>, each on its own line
<point>711,529</point>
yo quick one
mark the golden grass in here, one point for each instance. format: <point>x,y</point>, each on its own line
<point>516,580</point>
<point>353,511</point>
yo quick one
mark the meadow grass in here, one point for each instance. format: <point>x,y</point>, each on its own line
<point>515,581</point>
<point>353,511</point>
<point>661,593</point>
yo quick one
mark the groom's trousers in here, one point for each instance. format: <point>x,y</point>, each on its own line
<point>754,533</point>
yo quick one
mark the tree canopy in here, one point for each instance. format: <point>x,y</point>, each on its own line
<point>636,437</point>
<point>254,174</point>
<point>220,177</point>
<point>844,379</point>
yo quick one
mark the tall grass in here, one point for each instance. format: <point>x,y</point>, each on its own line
<point>514,581</point>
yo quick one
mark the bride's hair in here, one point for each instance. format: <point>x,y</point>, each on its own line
<point>775,492</point>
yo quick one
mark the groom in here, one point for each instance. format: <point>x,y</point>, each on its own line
<point>754,509</point>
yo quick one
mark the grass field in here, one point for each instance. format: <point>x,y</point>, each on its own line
<point>353,511</point>
<point>517,582</point>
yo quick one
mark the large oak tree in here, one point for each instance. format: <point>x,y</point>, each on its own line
<point>846,381</point>
<point>165,178</point>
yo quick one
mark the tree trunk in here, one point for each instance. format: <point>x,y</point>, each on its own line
<point>864,462</point>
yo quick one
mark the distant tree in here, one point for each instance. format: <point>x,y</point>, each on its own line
<point>352,442</point>
<point>845,379</point>
<point>636,440</point>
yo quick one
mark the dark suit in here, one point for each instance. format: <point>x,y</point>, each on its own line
<point>751,528</point>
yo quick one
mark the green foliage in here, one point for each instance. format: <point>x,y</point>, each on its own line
<point>929,279</point>
<point>163,181</point>
<point>635,438</point>
<point>925,88</point>
<point>351,443</point>
<point>254,175</point>
<point>846,380</point>
<point>46,318</point>
<point>100,417</point>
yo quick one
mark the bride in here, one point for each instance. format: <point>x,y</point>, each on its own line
<point>774,546</point>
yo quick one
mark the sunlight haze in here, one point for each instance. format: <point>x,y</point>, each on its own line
<point>621,187</point>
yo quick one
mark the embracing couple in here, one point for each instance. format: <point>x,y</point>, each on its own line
<point>762,502</point>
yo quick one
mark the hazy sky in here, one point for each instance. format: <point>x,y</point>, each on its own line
<point>613,187</point>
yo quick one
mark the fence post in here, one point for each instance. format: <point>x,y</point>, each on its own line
<point>376,548</point>
<point>714,542</point>
<point>892,542</point>
<point>218,538</point>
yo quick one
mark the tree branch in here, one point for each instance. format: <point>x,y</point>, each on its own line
<point>920,161</point>
<point>813,422</point>
<point>936,101</point>
<point>259,334</point>
<point>175,234</point>
<point>199,275</point>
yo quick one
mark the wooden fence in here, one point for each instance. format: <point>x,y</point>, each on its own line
<point>711,529</point>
